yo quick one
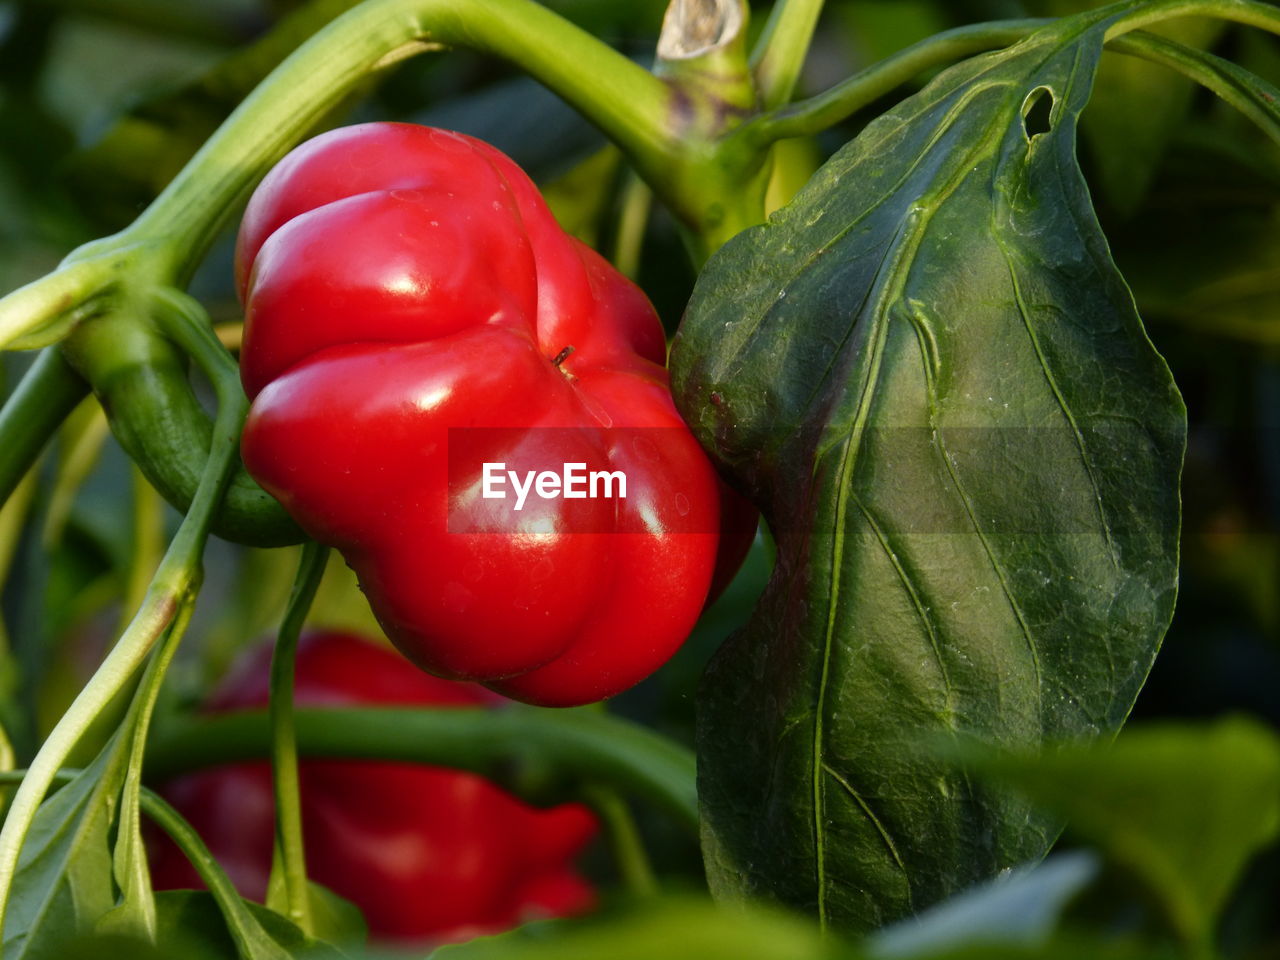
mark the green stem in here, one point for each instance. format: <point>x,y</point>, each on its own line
<point>141,380</point>
<point>624,839</point>
<point>780,53</point>
<point>148,540</point>
<point>129,858</point>
<point>83,435</point>
<point>1245,91</point>
<point>13,518</point>
<point>637,201</point>
<point>625,101</point>
<point>820,112</point>
<point>1248,12</point>
<point>590,746</point>
<point>825,110</point>
<point>290,857</point>
<point>44,310</point>
<point>244,929</point>
<point>45,396</point>
<point>174,583</point>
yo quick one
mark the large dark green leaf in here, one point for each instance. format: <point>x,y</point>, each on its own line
<point>928,373</point>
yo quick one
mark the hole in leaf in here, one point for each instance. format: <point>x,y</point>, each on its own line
<point>1037,112</point>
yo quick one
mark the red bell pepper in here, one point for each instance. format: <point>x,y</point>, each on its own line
<point>426,853</point>
<point>414,311</point>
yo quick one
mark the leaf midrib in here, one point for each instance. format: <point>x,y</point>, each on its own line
<point>900,254</point>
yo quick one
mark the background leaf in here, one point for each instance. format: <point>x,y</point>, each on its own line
<point>337,921</point>
<point>1183,807</point>
<point>1022,907</point>
<point>928,373</point>
<point>671,930</point>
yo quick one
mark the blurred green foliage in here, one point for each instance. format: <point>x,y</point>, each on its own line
<point>102,101</point>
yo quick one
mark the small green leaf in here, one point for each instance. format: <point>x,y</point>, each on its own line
<point>191,916</point>
<point>1183,807</point>
<point>336,920</point>
<point>63,882</point>
<point>928,373</point>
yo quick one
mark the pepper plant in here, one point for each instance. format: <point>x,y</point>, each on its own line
<point>924,369</point>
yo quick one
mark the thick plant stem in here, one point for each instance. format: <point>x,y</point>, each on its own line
<point>44,310</point>
<point>289,862</point>
<point>780,53</point>
<point>45,396</point>
<point>175,583</point>
<point>579,743</point>
<point>625,101</point>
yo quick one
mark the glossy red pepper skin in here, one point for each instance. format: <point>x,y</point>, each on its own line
<point>426,853</point>
<point>400,281</point>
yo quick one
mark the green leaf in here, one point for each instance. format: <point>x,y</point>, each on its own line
<point>63,882</point>
<point>929,375</point>
<point>336,920</point>
<point>1183,807</point>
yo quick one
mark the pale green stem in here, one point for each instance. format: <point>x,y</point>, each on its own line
<point>44,310</point>
<point>148,539</point>
<point>637,202</point>
<point>624,840</point>
<point>589,747</point>
<point>779,55</point>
